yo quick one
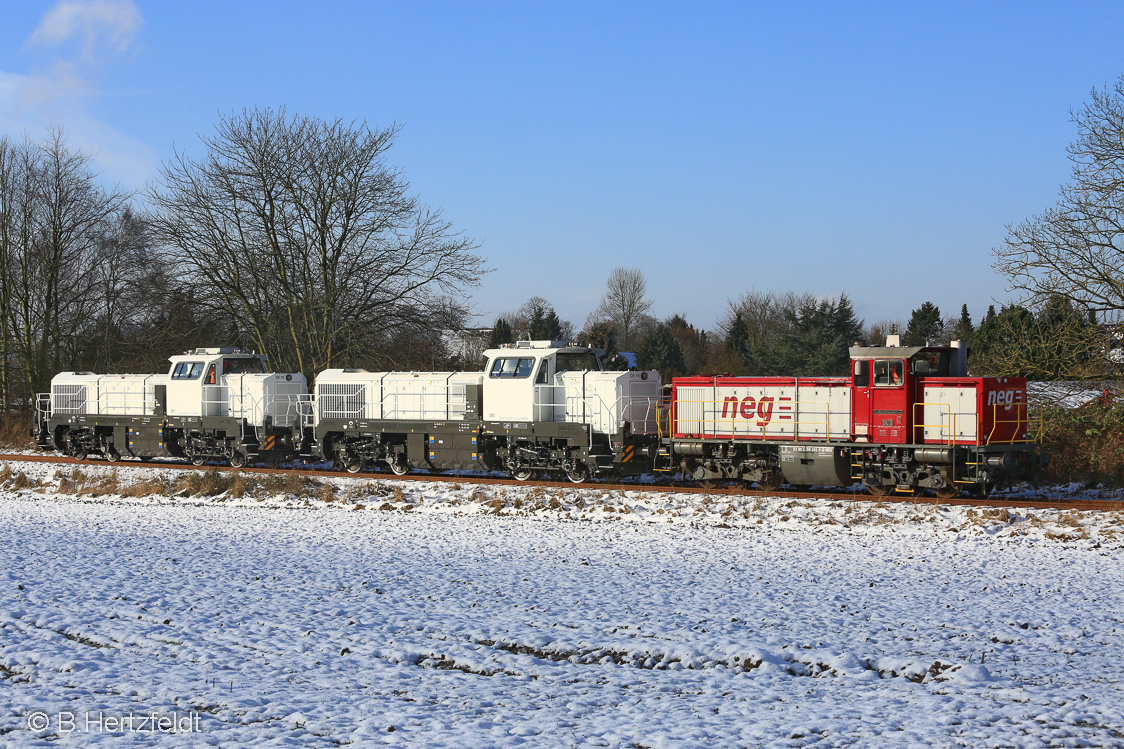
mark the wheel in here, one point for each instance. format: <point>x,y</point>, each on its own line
<point>708,483</point>
<point>947,491</point>
<point>877,490</point>
<point>522,473</point>
<point>771,482</point>
<point>398,466</point>
<point>578,474</point>
<point>80,453</point>
<point>112,455</point>
<point>353,464</point>
<point>198,460</point>
<point>238,459</point>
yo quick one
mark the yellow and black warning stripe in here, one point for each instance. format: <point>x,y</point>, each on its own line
<point>626,454</point>
<point>269,443</point>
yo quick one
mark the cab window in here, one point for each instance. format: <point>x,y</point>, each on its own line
<point>888,372</point>
<point>188,371</point>
<point>512,367</point>
<point>931,363</point>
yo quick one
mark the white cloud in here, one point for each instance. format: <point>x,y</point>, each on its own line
<point>117,21</point>
<point>60,94</point>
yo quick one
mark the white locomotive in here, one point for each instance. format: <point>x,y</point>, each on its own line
<point>214,403</point>
<point>538,406</point>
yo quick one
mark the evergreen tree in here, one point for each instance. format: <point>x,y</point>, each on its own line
<point>924,325</point>
<point>545,325</point>
<point>501,333</point>
<point>848,328</point>
<point>964,329</point>
<point>661,351</point>
<point>737,345</point>
<point>996,340</point>
<point>737,340</point>
<point>601,335</point>
<point>817,342</point>
<point>692,341</point>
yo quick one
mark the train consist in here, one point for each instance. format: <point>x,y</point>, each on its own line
<point>907,419</point>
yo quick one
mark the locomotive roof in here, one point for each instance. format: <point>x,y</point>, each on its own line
<point>890,352</point>
<point>539,348</point>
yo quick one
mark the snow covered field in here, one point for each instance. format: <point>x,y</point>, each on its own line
<point>430,614</point>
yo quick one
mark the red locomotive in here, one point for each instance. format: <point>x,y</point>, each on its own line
<point>907,419</point>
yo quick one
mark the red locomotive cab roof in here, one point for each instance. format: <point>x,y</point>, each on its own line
<point>925,361</point>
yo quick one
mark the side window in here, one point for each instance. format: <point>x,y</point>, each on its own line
<point>862,373</point>
<point>524,368</point>
<point>540,378</point>
<point>497,367</point>
<point>196,371</point>
<point>180,371</point>
<point>211,375</point>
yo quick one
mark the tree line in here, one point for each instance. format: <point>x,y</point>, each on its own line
<point>771,333</point>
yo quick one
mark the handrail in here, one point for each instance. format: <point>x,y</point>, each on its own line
<point>1021,422</point>
<point>615,412</point>
<point>949,427</point>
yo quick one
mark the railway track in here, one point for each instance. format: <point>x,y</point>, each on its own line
<point>996,500</point>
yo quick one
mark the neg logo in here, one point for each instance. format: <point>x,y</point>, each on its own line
<point>748,407</point>
<point>1005,398</point>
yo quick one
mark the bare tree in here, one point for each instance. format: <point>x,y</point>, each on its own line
<point>763,314</point>
<point>297,228</point>
<point>1075,249</point>
<point>53,221</point>
<point>624,303</point>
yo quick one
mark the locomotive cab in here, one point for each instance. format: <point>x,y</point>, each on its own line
<point>885,386</point>
<point>519,380</point>
<point>232,382</point>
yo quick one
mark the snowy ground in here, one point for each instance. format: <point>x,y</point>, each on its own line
<point>428,614</point>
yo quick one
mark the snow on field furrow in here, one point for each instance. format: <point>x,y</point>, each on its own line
<point>310,627</point>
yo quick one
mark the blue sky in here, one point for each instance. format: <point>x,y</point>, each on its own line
<point>873,148</point>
